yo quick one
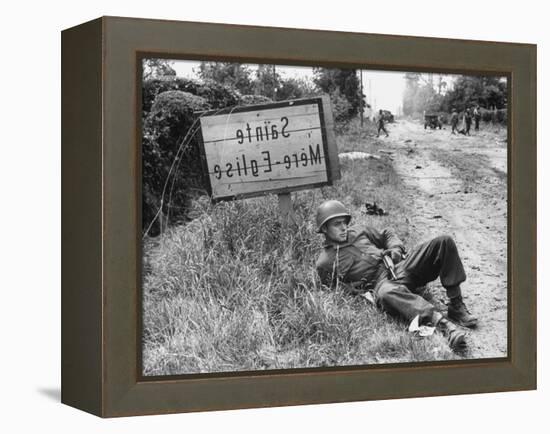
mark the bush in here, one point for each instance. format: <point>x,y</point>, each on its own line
<point>340,84</point>
<point>168,106</point>
<point>341,109</point>
<point>170,119</point>
<point>293,88</point>
<point>494,116</point>
<point>254,99</point>
<point>217,95</point>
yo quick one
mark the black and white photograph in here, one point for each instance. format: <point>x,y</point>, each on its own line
<point>283,217</point>
<point>312,217</point>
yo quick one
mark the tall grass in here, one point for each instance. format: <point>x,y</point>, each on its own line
<point>236,288</point>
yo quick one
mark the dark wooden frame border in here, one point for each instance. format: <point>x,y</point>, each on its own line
<point>100,260</point>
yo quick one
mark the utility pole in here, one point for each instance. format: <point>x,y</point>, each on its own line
<point>370,97</point>
<point>362,99</point>
<point>274,82</point>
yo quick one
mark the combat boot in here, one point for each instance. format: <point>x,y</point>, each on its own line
<point>458,313</point>
<point>455,337</point>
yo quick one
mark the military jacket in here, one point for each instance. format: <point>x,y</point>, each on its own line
<point>359,259</point>
<point>454,118</point>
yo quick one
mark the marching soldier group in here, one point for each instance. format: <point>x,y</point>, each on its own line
<point>467,118</point>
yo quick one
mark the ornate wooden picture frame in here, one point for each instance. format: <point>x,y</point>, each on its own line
<point>101,194</point>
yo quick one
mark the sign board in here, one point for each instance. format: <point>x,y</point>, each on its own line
<point>269,148</point>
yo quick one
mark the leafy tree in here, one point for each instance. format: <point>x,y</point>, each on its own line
<point>346,83</point>
<point>441,84</point>
<point>267,81</point>
<point>235,75</point>
<point>155,68</point>
<point>412,86</point>
<point>486,91</point>
<point>293,88</point>
<point>341,108</point>
<point>423,93</point>
<point>429,93</point>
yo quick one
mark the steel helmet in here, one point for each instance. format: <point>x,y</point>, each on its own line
<point>329,210</point>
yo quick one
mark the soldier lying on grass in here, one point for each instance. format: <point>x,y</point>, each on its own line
<point>353,256</point>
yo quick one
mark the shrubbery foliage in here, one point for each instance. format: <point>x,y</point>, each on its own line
<point>171,106</point>
<point>424,94</point>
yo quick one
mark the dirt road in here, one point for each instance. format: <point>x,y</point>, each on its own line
<point>457,186</point>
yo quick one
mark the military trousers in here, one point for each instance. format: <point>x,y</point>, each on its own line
<point>454,127</point>
<point>425,263</point>
<point>381,128</point>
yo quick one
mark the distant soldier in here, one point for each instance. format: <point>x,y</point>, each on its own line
<point>381,124</point>
<point>477,117</point>
<point>467,121</point>
<point>454,122</point>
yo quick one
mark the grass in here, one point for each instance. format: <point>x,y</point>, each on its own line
<point>235,289</point>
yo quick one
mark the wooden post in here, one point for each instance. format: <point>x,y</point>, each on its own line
<point>362,100</point>
<point>285,207</point>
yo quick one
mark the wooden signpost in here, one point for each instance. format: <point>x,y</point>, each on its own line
<point>270,148</point>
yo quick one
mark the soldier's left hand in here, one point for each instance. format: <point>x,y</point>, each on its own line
<point>393,254</point>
